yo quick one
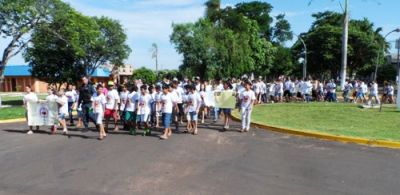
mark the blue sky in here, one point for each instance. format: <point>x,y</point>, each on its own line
<point>149,21</point>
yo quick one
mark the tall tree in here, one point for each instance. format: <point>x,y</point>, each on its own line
<point>59,58</point>
<point>18,19</point>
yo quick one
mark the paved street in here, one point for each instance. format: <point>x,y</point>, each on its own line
<point>213,162</point>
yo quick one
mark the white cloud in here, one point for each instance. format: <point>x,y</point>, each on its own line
<point>145,25</point>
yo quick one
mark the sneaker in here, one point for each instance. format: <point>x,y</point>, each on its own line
<point>65,132</point>
<point>163,137</point>
<point>132,131</point>
<point>30,132</point>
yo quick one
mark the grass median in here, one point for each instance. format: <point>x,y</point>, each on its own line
<point>16,110</point>
<point>332,118</point>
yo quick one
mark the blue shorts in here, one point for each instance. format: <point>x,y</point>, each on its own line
<point>360,94</point>
<point>227,111</point>
<point>193,116</point>
<point>166,119</point>
<point>61,116</point>
<point>80,114</point>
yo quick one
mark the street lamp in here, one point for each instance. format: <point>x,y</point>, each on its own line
<point>382,49</point>
<point>398,70</point>
<point>305,53</point>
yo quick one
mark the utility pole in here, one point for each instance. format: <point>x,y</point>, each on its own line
<point>345,38</point>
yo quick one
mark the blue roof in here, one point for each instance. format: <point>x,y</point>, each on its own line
<point>100,72</point>
<point>24,70</point>
<point>17,70</point>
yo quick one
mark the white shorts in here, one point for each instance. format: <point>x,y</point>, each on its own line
<point>144,118</point>
<point>99,119</point>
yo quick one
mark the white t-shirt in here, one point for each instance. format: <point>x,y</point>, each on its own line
<point>64,101</point>
<point>144,103</point>
<point>124,98</point>
<point>374,89</point>
<point>167,103</point>
<point>246,98</point>
<point>306,88</point>
<point>390,90</point>
<point>193,101</point>
<point>51,98</point>
<point>71,95</point>
<point>30,97</point>
<point>179,95</point>
<point>131,102</point>
<point>99,102</point>
<point>112,99</point>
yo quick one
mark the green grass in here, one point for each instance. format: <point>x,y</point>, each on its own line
<point>332,118</point>
<point>16,111</point>
<point>12,113</point>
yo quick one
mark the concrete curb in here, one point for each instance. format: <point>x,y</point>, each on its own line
<point>17,120</point>
<point>325,136</point>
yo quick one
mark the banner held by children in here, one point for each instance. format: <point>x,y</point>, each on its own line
<point>42,113</point>
<point>225,99</point>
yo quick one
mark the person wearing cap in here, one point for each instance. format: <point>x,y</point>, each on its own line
<point>112,106</point>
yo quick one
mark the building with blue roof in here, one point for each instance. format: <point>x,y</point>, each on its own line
<point>16,77</point>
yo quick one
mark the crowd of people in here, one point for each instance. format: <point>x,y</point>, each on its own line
<point>286,89</point>
<point>144,107</point>
<point>137,106</point>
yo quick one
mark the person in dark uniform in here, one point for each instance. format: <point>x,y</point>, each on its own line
<point>86,91</point>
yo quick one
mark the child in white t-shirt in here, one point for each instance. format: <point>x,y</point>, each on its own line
<point>194,103</point>
<point>144,109</point>
<point>167,105</point>
<point>247,99</point>
<point>29,97</point>
<point>99,101</point>
<point>62,101</point>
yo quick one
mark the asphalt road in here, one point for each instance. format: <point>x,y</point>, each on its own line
<point>259,162</point>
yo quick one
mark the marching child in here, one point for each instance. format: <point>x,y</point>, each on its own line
<point>99,101</point>
<point>62,111</point>
<point>167,105</point>
<point>247,99</point>
<point>29,97</point>
<point>227,111</point>
<point>144,109</point>
<point>111,110</point>
<point>130,114</point>
<point>194,103</point>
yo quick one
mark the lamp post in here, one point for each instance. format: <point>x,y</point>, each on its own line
<point>398,72</point>
<point>382,49</point>
<point>305,53</point>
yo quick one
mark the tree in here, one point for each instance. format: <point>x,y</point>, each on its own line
<point>78,46</point>
<point>108,47</point>
<point>146,75</point>
<point>58,57</point>
<point>18,19</point>
<point>213,10</point>
<point>324,42</point>
<point>229,47</point>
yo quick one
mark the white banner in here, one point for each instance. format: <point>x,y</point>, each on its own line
<point>209,99</point>
<point>42,113</point>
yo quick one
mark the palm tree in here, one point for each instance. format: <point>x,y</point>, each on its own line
<point>212,10</point>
